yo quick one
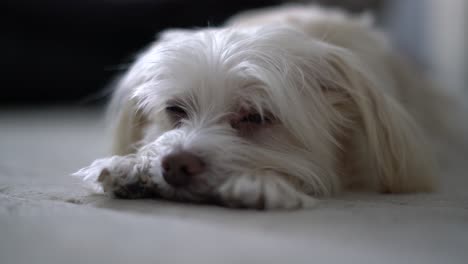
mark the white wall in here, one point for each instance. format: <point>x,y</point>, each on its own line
<point>435,33</point>
<point>449,41</point>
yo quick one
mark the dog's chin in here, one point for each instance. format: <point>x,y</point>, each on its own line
<point>183,194</point>
<point>192,193</point>
<point>242,191</point>
<point>207,192</point>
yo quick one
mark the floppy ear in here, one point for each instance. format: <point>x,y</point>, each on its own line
<point>125,112</point>
<point>124,116</point>
<point>395,151</point>
<point>127,129</point>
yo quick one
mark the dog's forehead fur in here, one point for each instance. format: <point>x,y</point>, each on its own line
<point>224,69</point>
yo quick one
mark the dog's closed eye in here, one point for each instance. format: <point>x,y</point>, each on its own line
<point>176,113</point>
<point>255,118</point>
<point>248,123</point>
<point>175,109</point>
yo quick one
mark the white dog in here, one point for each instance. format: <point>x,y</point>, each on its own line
<point>277,108</point>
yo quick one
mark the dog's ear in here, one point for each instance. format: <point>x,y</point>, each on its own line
<point>125,112</point>
<point>124,116</point>
<point>395,148</point>
<point>128,128</point>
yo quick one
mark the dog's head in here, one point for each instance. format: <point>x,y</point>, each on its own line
<point>241,112</point>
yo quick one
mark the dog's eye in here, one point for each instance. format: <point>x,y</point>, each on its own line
<point>255,119</point>
<point>249,123</point>
<point>175,109</point>
<point>176,112</point>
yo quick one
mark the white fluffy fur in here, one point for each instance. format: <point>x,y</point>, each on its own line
<point>345,112</point>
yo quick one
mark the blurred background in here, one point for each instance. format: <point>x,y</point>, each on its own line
<point>56,52</point>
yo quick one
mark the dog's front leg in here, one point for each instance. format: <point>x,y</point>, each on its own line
<point>127,177</point>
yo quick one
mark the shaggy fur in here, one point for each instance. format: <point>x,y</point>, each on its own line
<point>281,106</point>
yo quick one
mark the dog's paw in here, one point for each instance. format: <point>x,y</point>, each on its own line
<point>93,172</point>
<point>122,177</point>
<point>263,193</point>
<point>126,185</point>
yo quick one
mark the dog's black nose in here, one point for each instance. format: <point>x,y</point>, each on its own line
<point>179,168</point>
